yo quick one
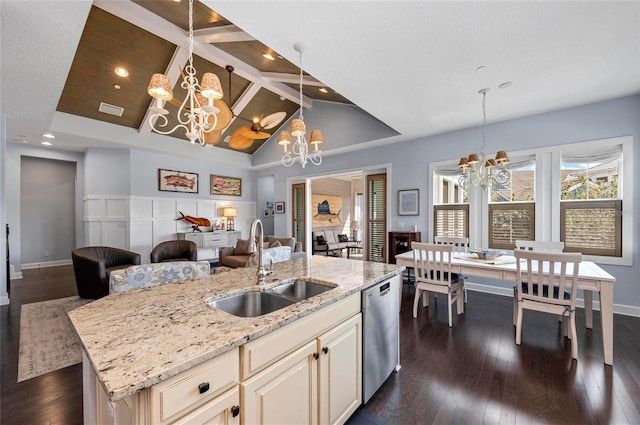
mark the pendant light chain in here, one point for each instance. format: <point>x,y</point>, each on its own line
<point>300,88</point>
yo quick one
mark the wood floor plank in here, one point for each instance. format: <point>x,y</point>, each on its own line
<point>472,373</point>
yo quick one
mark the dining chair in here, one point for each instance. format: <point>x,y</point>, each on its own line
<point>432,265</point>
<point>538,246</point>
<point>548,282</point>
<point>460,244</point>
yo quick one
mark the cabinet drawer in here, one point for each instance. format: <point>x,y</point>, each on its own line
<point>182,391</point>
<point>262,352</point>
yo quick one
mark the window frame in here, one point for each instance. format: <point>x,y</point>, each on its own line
<point>547,208</point>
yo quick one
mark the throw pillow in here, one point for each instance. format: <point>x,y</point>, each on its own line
<point>243,247</point>
<point>343,238</point>
<point>320,240</point>
<point>275,244</point>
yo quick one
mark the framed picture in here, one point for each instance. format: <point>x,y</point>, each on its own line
<point>408,202</point>
<point>223,185</point>
<point>177,181</point>
<point>279,208</point>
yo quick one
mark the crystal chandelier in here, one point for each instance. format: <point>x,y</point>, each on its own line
<point>300,149</point>
<point>197,114</point>
<point>480,171</point>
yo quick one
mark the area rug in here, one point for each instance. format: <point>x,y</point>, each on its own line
<point>48,341</point>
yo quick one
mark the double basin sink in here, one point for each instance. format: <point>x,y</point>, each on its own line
<point>258,303</point>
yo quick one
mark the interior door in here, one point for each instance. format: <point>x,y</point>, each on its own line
<point>376,220</point>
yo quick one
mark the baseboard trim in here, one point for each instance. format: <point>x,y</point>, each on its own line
<point>626,310</point>
<point>4,300</point>
<point>46,264</point>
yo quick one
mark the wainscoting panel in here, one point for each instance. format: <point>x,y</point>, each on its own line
<point>163,208</point>
<point>116,234</point>
<point>116,208</point>
<point>188,207</point>
<point>141,238</point>
<point>94,208</point>
<point>140,223</point>
<point>141,208</point>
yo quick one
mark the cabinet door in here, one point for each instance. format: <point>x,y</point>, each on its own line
<point>284,393</point>
<point>340,371</point>
<point>222,410</point>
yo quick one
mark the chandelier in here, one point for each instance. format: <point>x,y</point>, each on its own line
<point>300,149</point>
<point>480,170</point>
<point>197,114</point>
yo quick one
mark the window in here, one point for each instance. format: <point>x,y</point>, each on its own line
<point>579,193</point>
<point>450,214</point>
<point>590,203</point>
<point>512,207</point>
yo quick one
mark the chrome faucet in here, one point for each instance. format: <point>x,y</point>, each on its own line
<point>262,272</point>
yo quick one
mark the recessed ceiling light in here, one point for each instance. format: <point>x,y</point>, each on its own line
<point>121,72</point>
<point>24,141</point>
<point>45,143</point>
<point>481,68</point>
<point>268,56</point>
<point>116,86</point>
<point>505,85</point>
<point>323,90</point>
<point>49,136</point>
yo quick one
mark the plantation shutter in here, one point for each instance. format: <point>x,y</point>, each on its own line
<point>298,212</point>
<point>451,220</point>
<point>509,222</point>
<point>376,217</point>
<point>592,227</point>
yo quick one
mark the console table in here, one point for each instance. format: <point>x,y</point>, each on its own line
<point>210,242</point>
<point>400,242</point>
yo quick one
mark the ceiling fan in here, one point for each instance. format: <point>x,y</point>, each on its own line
<point>244,136</point>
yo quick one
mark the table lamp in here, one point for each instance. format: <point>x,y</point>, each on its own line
<point>230,214</point>
<point>354,229</point>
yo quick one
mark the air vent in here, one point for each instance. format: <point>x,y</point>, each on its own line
<point>111,109</point>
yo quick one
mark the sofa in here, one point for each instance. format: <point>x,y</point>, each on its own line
<point>154,274</point>
<point>329,241</point>
<point>275,248</point>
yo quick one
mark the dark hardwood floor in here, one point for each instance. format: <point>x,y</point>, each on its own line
<point>54,398</point>
<point>470,374</point>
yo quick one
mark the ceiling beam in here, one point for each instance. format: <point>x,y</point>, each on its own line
<point>225,34</point>
<point>282,77</point>
<point>148,21</point>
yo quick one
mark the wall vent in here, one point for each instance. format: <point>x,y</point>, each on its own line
<point>111,109</point>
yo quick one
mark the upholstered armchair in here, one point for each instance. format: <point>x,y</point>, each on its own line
<point>92,265</point>
<point>176,250</point>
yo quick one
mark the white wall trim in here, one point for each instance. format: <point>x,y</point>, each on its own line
<point>626,310</point>
<point>46,264</point>
<point>4,300</point>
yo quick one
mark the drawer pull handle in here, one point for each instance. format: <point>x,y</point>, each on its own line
<point>235,411</point>
<point>325,350</point>
<point>203,388</point>
<point>316,356</point>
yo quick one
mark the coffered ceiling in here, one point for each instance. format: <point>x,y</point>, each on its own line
<point>409,65</point>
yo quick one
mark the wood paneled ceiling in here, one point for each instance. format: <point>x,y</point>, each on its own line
<point>108,42</point>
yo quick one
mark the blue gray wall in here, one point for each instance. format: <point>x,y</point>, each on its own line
<point>410,163</point>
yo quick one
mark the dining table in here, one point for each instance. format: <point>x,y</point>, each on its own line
<point>592,278</point>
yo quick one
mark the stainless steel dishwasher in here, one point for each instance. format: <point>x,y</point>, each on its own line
<point>381,332</point>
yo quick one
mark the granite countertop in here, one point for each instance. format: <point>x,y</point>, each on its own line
<point>138,338</point>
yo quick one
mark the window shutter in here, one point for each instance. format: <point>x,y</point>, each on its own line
<point>451,220</point>
<point>509,222</point>
<point>298,212</point>
<point>592,227</point>
<point>376,217</point>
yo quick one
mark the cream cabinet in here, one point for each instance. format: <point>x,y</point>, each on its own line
<point>318,383</point>
<point>309,371</point>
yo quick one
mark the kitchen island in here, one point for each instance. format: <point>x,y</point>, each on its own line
<point>137,341</point>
